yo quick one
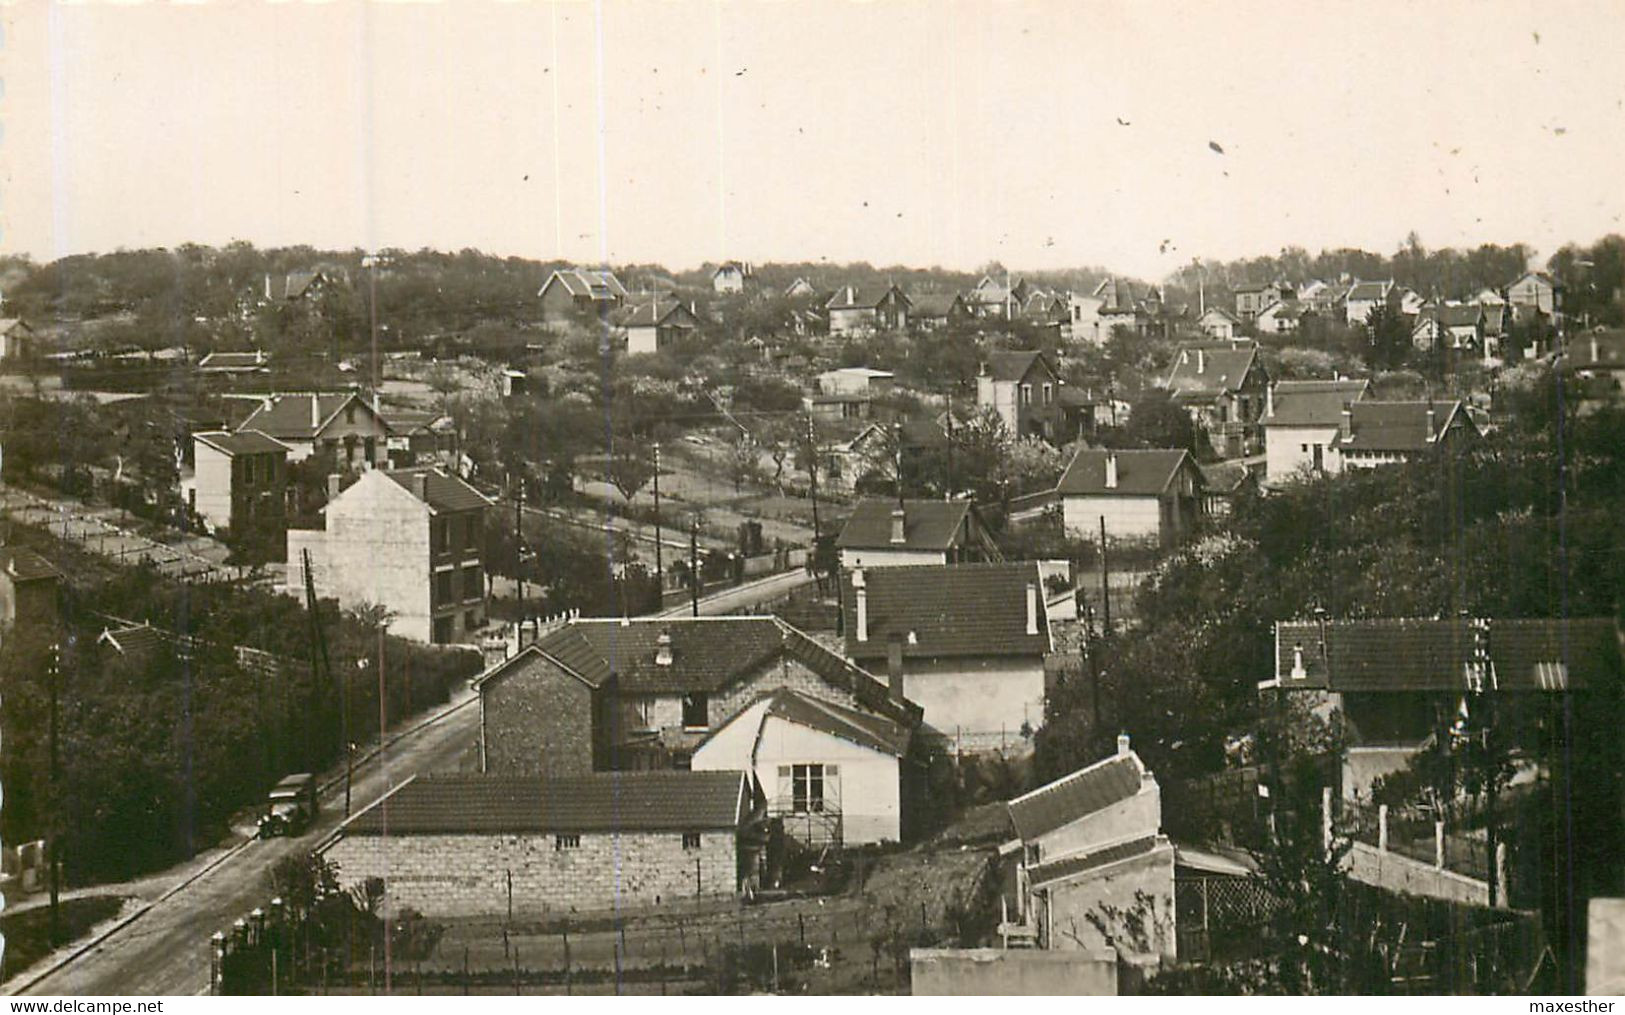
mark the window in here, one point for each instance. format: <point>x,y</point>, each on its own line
<point>1026,394</point>
<point>471,619</point>
<point>807,789</point>
<point>696,711</point>
<point>248,470</point>
<point>442,535</point>
<point>643,713</point>
<point>442,630</point>
<point>563,842</point>
<point>1049,393</point>
<point>471,532</point>
<point>442,588</point>
<point>691,840</point>
<point>473,583</point>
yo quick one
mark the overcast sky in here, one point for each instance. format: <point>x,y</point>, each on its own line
<point>1040,134</point>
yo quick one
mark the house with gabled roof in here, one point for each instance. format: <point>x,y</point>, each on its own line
<point>1459,327</point>
<point>572,294</point>
<point>341,423</point>
<point>1022,386</point>
<point>732,277</point>
<point>239,481</point>
<point>1381,433</point>
<point>1253,297</point>
<point>1304,423</point>
<point>864,310</point>
<point>800,289</point>
<point>1219,323</point>
<point>1221,385</point>
<point>890,533</point>
<point>831,775</point>
<point>472,846</point>
<point>1537,291</point>
<point>594,695</point>
<point>409,540</point>
<point>930,311</point>
<point>992,297</point>
<point>1151,496</point>
<point>29,586</point>
<point>1364,297</point>
<point>653,325</point>
<point>1283,317</point>
<point>18,340</point>
<point>967,641</point>
<point>1595,365</point>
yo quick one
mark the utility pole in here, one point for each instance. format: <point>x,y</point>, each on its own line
<point>660,569</point>
<point>952,484</point>
<point>694,568</point>
<point>519,541</point>
<point>812,474</point>
<point>371,262</point>
<point>383,730</point>
<point>897,456</point>
<point>1105,583</point>
<point>53,666</point>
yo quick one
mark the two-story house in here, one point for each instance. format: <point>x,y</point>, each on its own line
<point>731,277</point>
<point>1364,297</point>
<point>341,423</point>
<point>1023,388</point>
<point>1221,385</point>
<point>1459,327</point>
<point>239,482</point>
<point>1149,496</point>
<point>411,541</point>
<point>1538,292</point>
<point>850,392</point>
<point>992,297</point>
<point>1253,297</point>
<point>572,294</point>
<point>1304,424</point>
<point>864,310</point>
<point>888,533</point>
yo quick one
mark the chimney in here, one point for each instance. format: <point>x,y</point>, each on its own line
<point>1432,422</point>
<point>1032,607</point>
<point>1111,470</point>
<point>1594,356</point>
<point>1122,745</point>
<point>1269,399</point>
<point>334,481</point>
<point>420,486</point>
<point>315,412</point>
<point>862,592</point>
<point>897,519</point>
<point>894,666</point>
<point>528,629</point>
<point>1201,361</point>
<point>663,649</point>
<point>1298,672</point>
<point>267,285</point>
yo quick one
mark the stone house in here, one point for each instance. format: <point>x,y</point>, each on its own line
<point>29,586</point>
<point>1221,385</point>
<point>596,695</point>
<point>830,775</point>
<point>411,541</point>
<point>1149,496</point>
<point>341,423</point>
<point>885,533</point>
<point>967,640</point>
<point>471,845</point>
<point>865,310</point>
<point>572,294</point>
<point>1023,388</point>
<point>239,481</point>
<point>1304,424</point>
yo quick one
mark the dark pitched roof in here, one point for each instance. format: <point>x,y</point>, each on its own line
<point>140,640</point>
<point>1599,350</point>
<point>1400,426</point>
<point>1089,789</point>
<point>598,285</point>
<point>1203,370</point>
<point>243,442</point>
<point>441,490</point>
<point>1072,866</point>
<point>1459,316</point>
<point>232,361</point>
<point>1116,295</point>
<point>652,313</point>
<point>946,610</point>
<point>469,804</point>
<point>300,415</point>
<point>1432,655</point>
<point>1224,477</point>
<point>1013,366</point>
<point>1369,290</point>
<point>860,728</point>
<point>1139,473</point>
<point>1313,403</point>
<point>934,304</point>
<point>859,297</point>
<point>24,565</point>
<point>927,524</point>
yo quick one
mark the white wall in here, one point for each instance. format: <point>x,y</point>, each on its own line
<point>642,340</point>
<point>977,695</point>
<point>377,551</point>
<point>1126,517</point>
<point>212,480</point>
<point>1140,815</point>
<point>1284,454</point>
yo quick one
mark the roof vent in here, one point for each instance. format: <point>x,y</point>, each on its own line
<point>1298,672</point>
<point>897,518</point>
<point>663,649</point>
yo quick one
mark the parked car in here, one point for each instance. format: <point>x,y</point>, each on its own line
<point>290,806</point>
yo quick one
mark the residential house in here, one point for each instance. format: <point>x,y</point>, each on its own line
<point>1046,308</point>
<point>1083,412</point>
<point>421,437</point>
<point>1219,323</point>
<point>569,294</point>
<point>850,392</point>
<point>491,846</point>
<point>732,277</point>
<point>831,775</point>
<point>864,310</point>
<point>655,324</point>
<point>17,339</point>
<point>1305,423</point>
<point>594,695</point>
<point>968,641</point>
<point>1022,387</point>
<point>29,586</point>
<point>1539,292</point>
<point>1411,302</point>
<point>930,311</point>
<point>338,423</point>
<point>1222,386</point>
<point>1121,308</point>
<point>1148,496</point>
<point>140,643</point>
<point>1093,862</point>
<point>888,533</point>
<point>234,364</point>
<point>411,541</point>
<point>1399,683</point>
<point>1283,317</point>
<point>1224,484</point>
<point>991,297</point>
<point>800,289</point>
<point>239,482</point>
<point>1364,297</point>
<point>1384,432</point>
<point>1595,362</point>
<point>1084,322</point>
<point>1459,327</point>
<point>1253,297</point>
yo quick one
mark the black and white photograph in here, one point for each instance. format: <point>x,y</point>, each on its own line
<point>660,498</point>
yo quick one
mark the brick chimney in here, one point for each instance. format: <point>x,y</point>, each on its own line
<point>528,629</point>
<point>897,518</point>
<point>1201,361</point>
<point>335,484</point>
<point>862,593</point>
<point>1432,422</point>
<point>663,649</point>
<point>1269,399</point>
<point>1111,470</point>
<point>894,666</point>
<point>1032,607</point>
<point>420,486</point>
<point>1122,745</point>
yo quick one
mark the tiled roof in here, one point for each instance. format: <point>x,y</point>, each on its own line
<point>599,285</point>
<point>1368,291</point>
<point>1602,350</point>
<point>243,442</point>
<point>469,804</point>
<point>947,610</point>
<point>1089,789</point>
<point>1313,403</point>
<point>140,640</point>
<point>232,360</point>
<point>294,417</point>
<point>860,728</point>
<point>933,304</point>
<point>652,313</point>
<point>1013,366</point>
<point>1398,426</point>
<point>1431,655</point>
<point>1072,866</point>
<point>25,565</point>
<point>859,297</point>
<point>442,491</point>
<point>1139,473</point>
<point>927,524</point>
<point>1204,369</point>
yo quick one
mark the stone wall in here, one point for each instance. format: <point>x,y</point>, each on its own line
<point>1133,899</point>
<point>467,875</point>
<point>537,720</point>
<point>1398,873</point>
<point>960,972</point>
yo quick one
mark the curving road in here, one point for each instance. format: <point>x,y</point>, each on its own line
<point>165,950</point>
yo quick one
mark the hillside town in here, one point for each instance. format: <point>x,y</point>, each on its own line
<point>415,619</point>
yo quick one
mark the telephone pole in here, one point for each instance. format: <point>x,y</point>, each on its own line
<point>519,540</point>
<point>53,666</point>
<point>1105,583</point>
<point>660,570</point>
<point>694,568</point>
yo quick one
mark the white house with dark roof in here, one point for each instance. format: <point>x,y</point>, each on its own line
<point>1304,425</point>
<point>470,845</point>
<point>1364,297</point>
<point>967,641</point>
<point>886,533</point>
<point>732,277</point>
<point>864,310</point>
<point>833,775</point>
<point>340,422</point>
<point>654,324</point>
<point>1152,496</point>
<point>1221,385</point>
<point>239,480</point>
<point>1382,433</point>
<point>1219,323</point>
<point>411,541</point>
<point>18,339</point>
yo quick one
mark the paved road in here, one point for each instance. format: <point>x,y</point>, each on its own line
<point>166,951</point>
<point>754,593</point>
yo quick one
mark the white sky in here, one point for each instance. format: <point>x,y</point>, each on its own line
<point>889,131</point>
